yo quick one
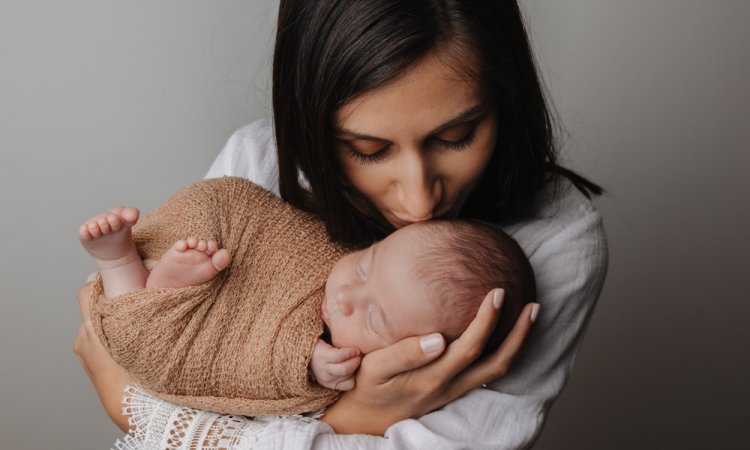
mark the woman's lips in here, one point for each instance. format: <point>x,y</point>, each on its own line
<point>402,221</point>
<point>411,220</point>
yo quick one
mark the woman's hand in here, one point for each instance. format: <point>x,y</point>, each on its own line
<point>409,378</point>
<point>108,378</point>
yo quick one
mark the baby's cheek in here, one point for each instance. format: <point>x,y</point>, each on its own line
<point>338,336</point>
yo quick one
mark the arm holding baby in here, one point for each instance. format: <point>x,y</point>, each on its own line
<point>242,341</point>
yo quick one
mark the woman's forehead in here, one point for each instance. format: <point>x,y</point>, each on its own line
<point>425,97</point>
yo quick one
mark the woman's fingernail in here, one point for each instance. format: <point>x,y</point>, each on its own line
<point>497,298</point>
<point>534,312</point>
<point>431,343</point>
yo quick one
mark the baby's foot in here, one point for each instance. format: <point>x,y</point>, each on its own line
<point>189,263</point>
<point>108,239</point>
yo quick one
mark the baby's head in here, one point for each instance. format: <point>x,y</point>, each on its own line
<point>424,278</point>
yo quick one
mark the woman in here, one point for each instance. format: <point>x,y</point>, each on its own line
<point>393,112</point>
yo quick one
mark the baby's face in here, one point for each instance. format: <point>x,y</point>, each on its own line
<point>373,297</point>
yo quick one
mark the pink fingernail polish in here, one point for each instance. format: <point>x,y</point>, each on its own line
<point>534,312</point>
<point>431,343</point>
<point>497,298</point>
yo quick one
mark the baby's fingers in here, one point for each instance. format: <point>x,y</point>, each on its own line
<point>345,385</point>
<point>333,354</point>
<point>345,368</point>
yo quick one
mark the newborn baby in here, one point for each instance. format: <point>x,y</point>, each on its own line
<point>424,278</point>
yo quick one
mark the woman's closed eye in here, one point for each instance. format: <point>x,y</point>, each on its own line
<point>367,157</point>
<point>457,138</point>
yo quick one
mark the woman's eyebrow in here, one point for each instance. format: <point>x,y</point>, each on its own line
<point>470,113</point>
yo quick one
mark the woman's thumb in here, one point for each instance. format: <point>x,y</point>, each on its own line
<point>403,356</point>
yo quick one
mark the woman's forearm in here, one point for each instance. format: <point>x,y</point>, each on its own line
<point>108,378</point>
<point>110,391</point>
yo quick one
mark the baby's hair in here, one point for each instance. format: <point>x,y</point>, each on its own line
<point>462,260</point>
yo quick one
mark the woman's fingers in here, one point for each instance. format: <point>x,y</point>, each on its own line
<point>403,356</point>
<point>467,348</point>
<point>496,364</point>
<point>84,293</point>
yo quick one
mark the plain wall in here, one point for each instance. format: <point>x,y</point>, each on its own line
<point>107,102</point>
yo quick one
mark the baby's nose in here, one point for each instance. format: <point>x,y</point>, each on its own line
<point>345,301</point>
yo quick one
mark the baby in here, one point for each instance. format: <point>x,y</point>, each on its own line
<point>424,278</point>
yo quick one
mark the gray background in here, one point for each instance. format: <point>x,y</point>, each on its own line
<point>106,102</point>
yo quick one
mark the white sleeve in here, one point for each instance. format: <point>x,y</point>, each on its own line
<point>250,153</point>
<point>157,424</point>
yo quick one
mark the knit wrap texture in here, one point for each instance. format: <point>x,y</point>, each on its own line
<point>240,343</point>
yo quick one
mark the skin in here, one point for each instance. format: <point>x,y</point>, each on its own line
<point>417,147</point>
<point>108,239</point>
<point>373,298</point>
<point>416,179</point>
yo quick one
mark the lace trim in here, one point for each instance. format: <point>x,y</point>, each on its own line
<point>160,425</point>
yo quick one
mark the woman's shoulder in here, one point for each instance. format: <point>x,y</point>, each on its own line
<point>259,131</point>
<point>564,221</point>
<point>250,153</point>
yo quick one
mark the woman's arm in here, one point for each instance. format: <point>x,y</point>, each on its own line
<point>399,382</point>
<point>108,378</point>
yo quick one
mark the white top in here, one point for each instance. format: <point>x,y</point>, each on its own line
<point>565,243</point>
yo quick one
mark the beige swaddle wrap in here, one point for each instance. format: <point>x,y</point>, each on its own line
<point>241,342</point>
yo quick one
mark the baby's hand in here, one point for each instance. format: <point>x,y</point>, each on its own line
<point>334,367</point>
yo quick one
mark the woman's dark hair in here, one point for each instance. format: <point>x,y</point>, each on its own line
<point>329,51</point>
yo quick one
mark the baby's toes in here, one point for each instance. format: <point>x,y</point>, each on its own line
<point>221,259</point>
<point>180,245</point>
<point>115,224</point>
<point>130,215</point>
<point>83,232</point>
<point>93,228</point>
<point>211,247</point>
<point>192,242</point>
<point>104,225</point>
<point>201,246</point>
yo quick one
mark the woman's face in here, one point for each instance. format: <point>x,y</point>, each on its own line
<point>417,147</point>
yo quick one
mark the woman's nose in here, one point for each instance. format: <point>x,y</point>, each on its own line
<point>420,190</point>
